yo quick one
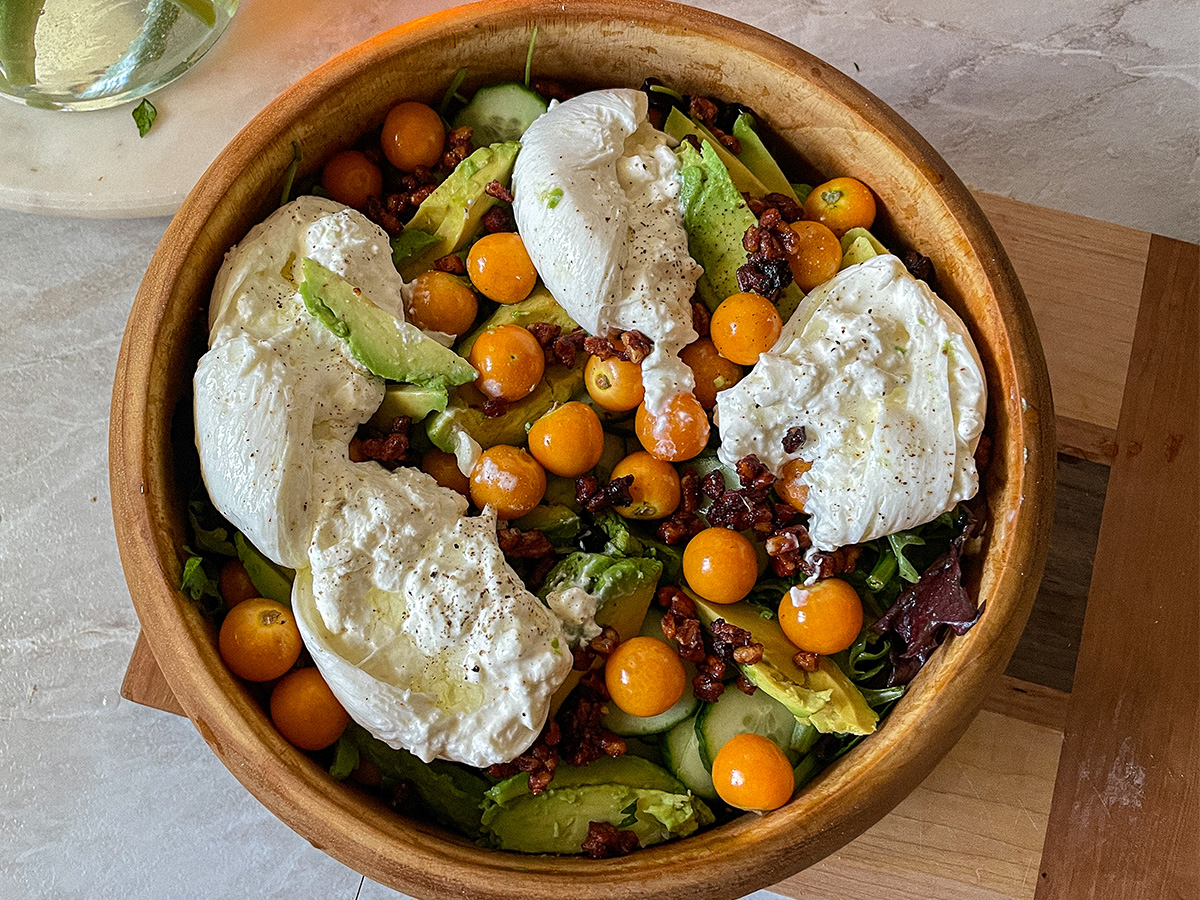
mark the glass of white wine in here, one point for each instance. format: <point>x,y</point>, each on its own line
<point>91,54</point>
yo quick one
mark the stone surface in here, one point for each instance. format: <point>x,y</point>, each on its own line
<point>1080,106</point>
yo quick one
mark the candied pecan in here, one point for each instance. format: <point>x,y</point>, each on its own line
<point>809,662</point>
<point>545,333</point>
<point>421,176</point>
<point>519,544</point>
<point>420,194</point>
<point>742,510</point>
<point>794,439</point>
<point>764,276</point>
<point>397,204</point>
<point>494,407</point>
<point>637,346</point>
<point>689,490</point>
<point>693,140</point>
<point>701,318</point>
<point>748,655</point>
<point>690,639</point>
<point>666,594</point>
<point>713,485</point>
<point>452,263</point>
<point>683,606</point>
<point>789,210</point>
<point>727,637</point>
<point>728,141</point>
<point>919,266</point>
<point>392,449</point>
<point>582,659</point>
<point>678,527</point>
<point>565,349</point>
<point>745,685</point>
<point>600,347</point>
<point>460,145</point>
<point>388,221</point>
<point>605,642</point>
<point>707,688</point>
<point>499,191</point>
<point>605,841</point>
<point>583,736</point>
<point>787,540</point>
<point>714,665</point>
<point>593,496</point>
<point>551,90</point>
<point>753,473</point>
<point>498,219</point>
<point>703,110</point>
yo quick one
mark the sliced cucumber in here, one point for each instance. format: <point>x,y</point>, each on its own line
<point>681,753</point>
<point>622,723</point>
<point>738,713</point>
<point>500,112</point>
<point>619,722</point>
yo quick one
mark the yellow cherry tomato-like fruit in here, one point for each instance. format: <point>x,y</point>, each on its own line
<point>509,360</point>
<point>234,583</point>
<point>822,618</point>
<point>817,256</point>
<point>350,178</point>
<point>678,432</point>
<point>712,371</point>
<point>615,384</point>
<point>720,565</point>
<point>841,204</point>
<point>499,266</point>
<point>413,135</point>
<point>509,480</point>
<point>655,491</point>
<point>744,327</point>
<point>442,302</point>
<point>259,639</point>
<point>751,772</point>
<point>306,712</point>
<point>789,486</point>
<point>568,440</point>
<point>644,676</point>
<point>444,468</point>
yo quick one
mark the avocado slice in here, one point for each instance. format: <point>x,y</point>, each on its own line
<point>271,581</point>
<point>398,351</point>
<point>452,213</point>
<point>629,792</point>
<point>826,698</point>
<point>452,793</point>
<point>560,524</point>
<point>716,217</point>
<point>859,245</point>
<point>623,587</point>
<point>680,126</point>
<point>758,159</point>
<point>410,400</point>
<point>465,409</point>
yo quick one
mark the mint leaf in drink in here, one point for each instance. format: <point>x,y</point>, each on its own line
<point>144,114</point>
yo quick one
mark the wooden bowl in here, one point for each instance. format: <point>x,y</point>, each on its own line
<point>837,127</point>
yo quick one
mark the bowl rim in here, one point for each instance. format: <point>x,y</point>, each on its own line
<point>423,859</point>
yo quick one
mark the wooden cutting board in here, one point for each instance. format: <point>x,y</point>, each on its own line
<point>1079,777</point>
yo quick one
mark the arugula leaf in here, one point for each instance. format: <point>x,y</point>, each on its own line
<point>345,757</point>
<point>200,583</point>
<point>898,542</point>
<point>210,531</point>
<point>144,115</point>
<point>630,814</point>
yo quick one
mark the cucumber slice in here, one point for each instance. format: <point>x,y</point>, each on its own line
<point>619,722</point>
<point>737,713</point>
<point>500,112</point>
<point>681,753</point>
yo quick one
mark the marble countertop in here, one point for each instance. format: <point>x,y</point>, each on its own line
<point>1086,107</point>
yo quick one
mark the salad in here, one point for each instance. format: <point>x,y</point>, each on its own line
<point>575,476</point>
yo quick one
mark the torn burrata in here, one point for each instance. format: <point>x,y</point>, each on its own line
<point>596,200</point>
<point>887,385</point>
<point>423,632</point>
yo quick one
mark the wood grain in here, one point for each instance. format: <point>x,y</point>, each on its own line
<point>144,682</point>
<point>1083,280</point>
<point>1124,818</point>
<point>973,830</point>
